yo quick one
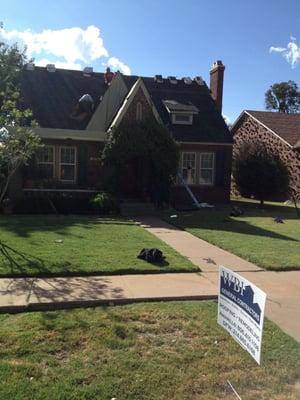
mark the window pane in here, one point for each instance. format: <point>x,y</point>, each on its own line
<point>206,176</point>
<point>207,160</point>
<point>189,167</point>
<point>189,160</point>
<point>67,155</point>
<point>182,118</point>
<point>139,112</point>
<point>189,176</point>
<point>67,172</point>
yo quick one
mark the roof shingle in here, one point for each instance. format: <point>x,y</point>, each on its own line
<point>287,126</point>
<point>54,96</point>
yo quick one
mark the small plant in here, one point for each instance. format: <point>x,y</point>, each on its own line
<point>7,205</point>
<point>104,203</point>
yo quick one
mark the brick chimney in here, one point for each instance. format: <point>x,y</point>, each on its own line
<point>216,83</point>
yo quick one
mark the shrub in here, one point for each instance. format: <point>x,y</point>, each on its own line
<point>259,173</point>
<point>104,203</point>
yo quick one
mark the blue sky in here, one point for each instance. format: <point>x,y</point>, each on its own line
<point>167,37</point>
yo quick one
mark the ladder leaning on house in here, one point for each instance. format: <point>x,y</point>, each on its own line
<point>188,189</point>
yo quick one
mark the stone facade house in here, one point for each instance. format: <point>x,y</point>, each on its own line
<point>279,131</point>
<point>76,109</point>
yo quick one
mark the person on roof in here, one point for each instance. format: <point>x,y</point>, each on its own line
<point>108,76</point>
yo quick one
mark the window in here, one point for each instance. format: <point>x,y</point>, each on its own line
<point>184,119</point>
<point>207,168</point>
<point>67,165</point>
<point>45,162</point>
<point>189,167</point>
<point>139,112</point>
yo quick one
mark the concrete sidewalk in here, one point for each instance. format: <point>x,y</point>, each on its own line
<point>25,294</point>
<point>21,294</point>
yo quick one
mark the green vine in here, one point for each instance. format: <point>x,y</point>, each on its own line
<point>151,143</point>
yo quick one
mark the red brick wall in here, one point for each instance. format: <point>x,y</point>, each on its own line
<point>249,130</point>
<point>215,193</point>
<point>179,194</point>
<point>130,116</point>
<point>95,174</point>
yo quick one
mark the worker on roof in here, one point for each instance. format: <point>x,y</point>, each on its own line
<point>108,76</point>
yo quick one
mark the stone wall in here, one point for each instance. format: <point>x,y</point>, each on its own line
<point>250,130</point>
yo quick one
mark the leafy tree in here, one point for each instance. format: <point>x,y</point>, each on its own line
<point>283,97</point>
<point>17,141</point>
<point>259,173</point>
<point>152,144</point>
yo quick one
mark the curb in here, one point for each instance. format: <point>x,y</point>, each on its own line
<point>65,305</point>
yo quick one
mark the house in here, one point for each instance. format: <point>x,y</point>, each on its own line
<point>76,109</point>
<point>279,131</point>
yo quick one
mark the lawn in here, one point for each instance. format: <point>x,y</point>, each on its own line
<point>68,245</point>
<point>253,236</point>
<point>147,352</point>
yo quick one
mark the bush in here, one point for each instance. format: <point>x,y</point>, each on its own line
<point>105,203</point>
<point>65,203</point>
<point>259,173</point>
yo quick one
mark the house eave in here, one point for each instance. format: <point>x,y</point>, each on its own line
<point>71,134</point>
<point>206,143</point>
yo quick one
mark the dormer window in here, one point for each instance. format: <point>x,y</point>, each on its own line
<point>180,113</point>
<point>185,119</point>
<point>139,112</point>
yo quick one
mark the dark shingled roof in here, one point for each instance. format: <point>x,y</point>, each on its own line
<point>173,106</point>
<point>287,126</point>
<point>53,96</point>
<point>208,125</point>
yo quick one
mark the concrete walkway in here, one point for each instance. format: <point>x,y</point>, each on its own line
<point>282,288</point>
<point>207,256</point>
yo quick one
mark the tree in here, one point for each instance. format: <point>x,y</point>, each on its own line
<point>154,146</point>
<point>17,141</point>
<point>259,173</point>
<point>283,97</point>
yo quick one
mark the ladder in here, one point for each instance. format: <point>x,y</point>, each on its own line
<point>188,189</point>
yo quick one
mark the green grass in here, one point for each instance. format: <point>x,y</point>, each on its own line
<point>146,352</point>
<point>32,247</point>
<point>254,236</point>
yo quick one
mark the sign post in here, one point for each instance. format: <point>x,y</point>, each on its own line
<point>241,307</point>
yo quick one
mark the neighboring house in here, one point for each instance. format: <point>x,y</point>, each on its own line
<point>279,131</point>
<point>76,109</point>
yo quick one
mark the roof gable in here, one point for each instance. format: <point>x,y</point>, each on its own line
<point>139,84</point>
<point>109,105</point>
<point>286,126</point>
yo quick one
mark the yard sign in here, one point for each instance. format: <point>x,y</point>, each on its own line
<point>241,308</point>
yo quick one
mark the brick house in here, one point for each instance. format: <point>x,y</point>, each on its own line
<point>76,109</point>
<point>279,131</point>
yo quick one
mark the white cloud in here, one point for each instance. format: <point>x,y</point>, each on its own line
<point>291,52</point>
<point>227,119</point>
<point>117,64</point>
<point>59,64</point>
<point>70,48</point>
